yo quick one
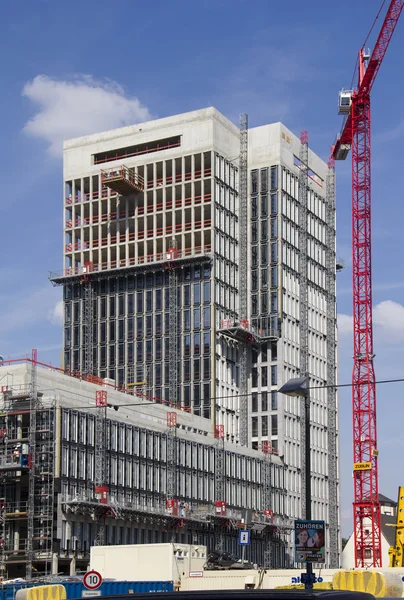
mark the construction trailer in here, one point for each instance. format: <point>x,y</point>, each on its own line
<point>53,508</point>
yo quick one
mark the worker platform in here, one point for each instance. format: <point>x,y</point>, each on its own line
<point>247,332</point>
<point>122,180</point>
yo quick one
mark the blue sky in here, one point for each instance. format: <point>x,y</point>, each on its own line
<point>73,68</point>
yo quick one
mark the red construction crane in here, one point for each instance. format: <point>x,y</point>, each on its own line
<point>355,104</point>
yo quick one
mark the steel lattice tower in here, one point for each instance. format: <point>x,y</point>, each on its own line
<point>219,478</point>
<point>356,134</point>
<point>88,321</point>
<point>243,270</point>
<point>100,458</point>
<point>33,408</point>
<point>171,459</point>
<point>267,495</point>
<point>333,519</point>
<point>173,325</point>
<point>303,301</point>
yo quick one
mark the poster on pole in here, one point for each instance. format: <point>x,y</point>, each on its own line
<point>310,541</point>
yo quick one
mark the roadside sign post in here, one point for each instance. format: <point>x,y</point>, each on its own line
<point>92,580</point>
<point>244,540</point>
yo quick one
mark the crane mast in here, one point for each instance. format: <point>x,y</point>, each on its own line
<point>356,135</point>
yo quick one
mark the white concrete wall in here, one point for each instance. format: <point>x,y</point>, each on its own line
<point>199,131</point>
<point>348,554</point>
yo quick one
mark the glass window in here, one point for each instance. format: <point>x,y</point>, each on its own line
<point>254,232</point>
<point>112,331</point>
<point>197,293</point>
<point>149,300</point>
<point>254,426</point>
<point>197,343</point>
<point>254,181</point>
<point>264,206</point>
<point>264,401</point>
<point>121,305</point>
<point>254,304</point>
<point>274,177</point>
<point>197,318</point>
<point>206,343</point>
<point>264,426</point>
<point>264,231</point>
<point>274,203</point>
<point>254,280</point>
<point>130,304</point>
<point>187,320</point>
<point>274,375</point>
<point>254,208</point>
<point>159,299</point>
<point>254,402</point>
<point>187,345</point>
<point>254,377</point>
<point>264,376</point>
<point>139,302</point>
<point>254,256</point>
<point>206,292</point>
<point>274,424</point>
<point>121,329</point>
<point>274,400</point>
<point>187,295</point>
<point>103,308</point>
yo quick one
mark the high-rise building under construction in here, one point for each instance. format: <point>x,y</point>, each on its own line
<point>182,279</point>
<point>154,211</point>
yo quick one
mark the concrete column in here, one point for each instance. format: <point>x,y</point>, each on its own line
<point>55,564</point>
<point>73,566</point>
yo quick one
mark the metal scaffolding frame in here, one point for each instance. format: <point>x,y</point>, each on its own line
<point>303,301</point>
<point>173,324</point>
<point>100,461</point>
<point>333,519</point>
<point>88,321</point>
<point>243,277</point>
<point>267,493</point>
<point>220,488</point>
<point>33,408</point>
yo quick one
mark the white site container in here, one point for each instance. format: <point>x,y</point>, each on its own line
<point>148,562</point>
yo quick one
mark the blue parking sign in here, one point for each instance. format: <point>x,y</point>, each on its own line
<point>244,537</point>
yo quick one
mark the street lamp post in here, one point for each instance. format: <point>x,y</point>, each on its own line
<point>298,387</point>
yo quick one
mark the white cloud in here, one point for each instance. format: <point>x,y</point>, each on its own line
<point>68,109</point>
<point>389,317</point>
<point>344,324</point>
<point>55,315</point>
<point>388,321</point>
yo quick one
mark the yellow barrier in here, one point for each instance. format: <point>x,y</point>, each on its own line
<point>381,585</point>
<point>42,592</point>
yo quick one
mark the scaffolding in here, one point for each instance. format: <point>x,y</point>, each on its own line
<point>303,300</point>
<point>27,452</point>
<point>220,504</point>
<point>173,323</point>
<point>88,322</point>
<point>243,270</point>
<point>100,457</point>
<point>333,519</point>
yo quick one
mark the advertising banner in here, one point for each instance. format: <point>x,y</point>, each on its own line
<point>310,541</point>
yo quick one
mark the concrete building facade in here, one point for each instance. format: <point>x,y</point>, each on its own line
<point>64,514</point>
<point>165,194</point>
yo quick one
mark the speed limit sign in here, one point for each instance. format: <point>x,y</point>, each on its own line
<point>92,580</point>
